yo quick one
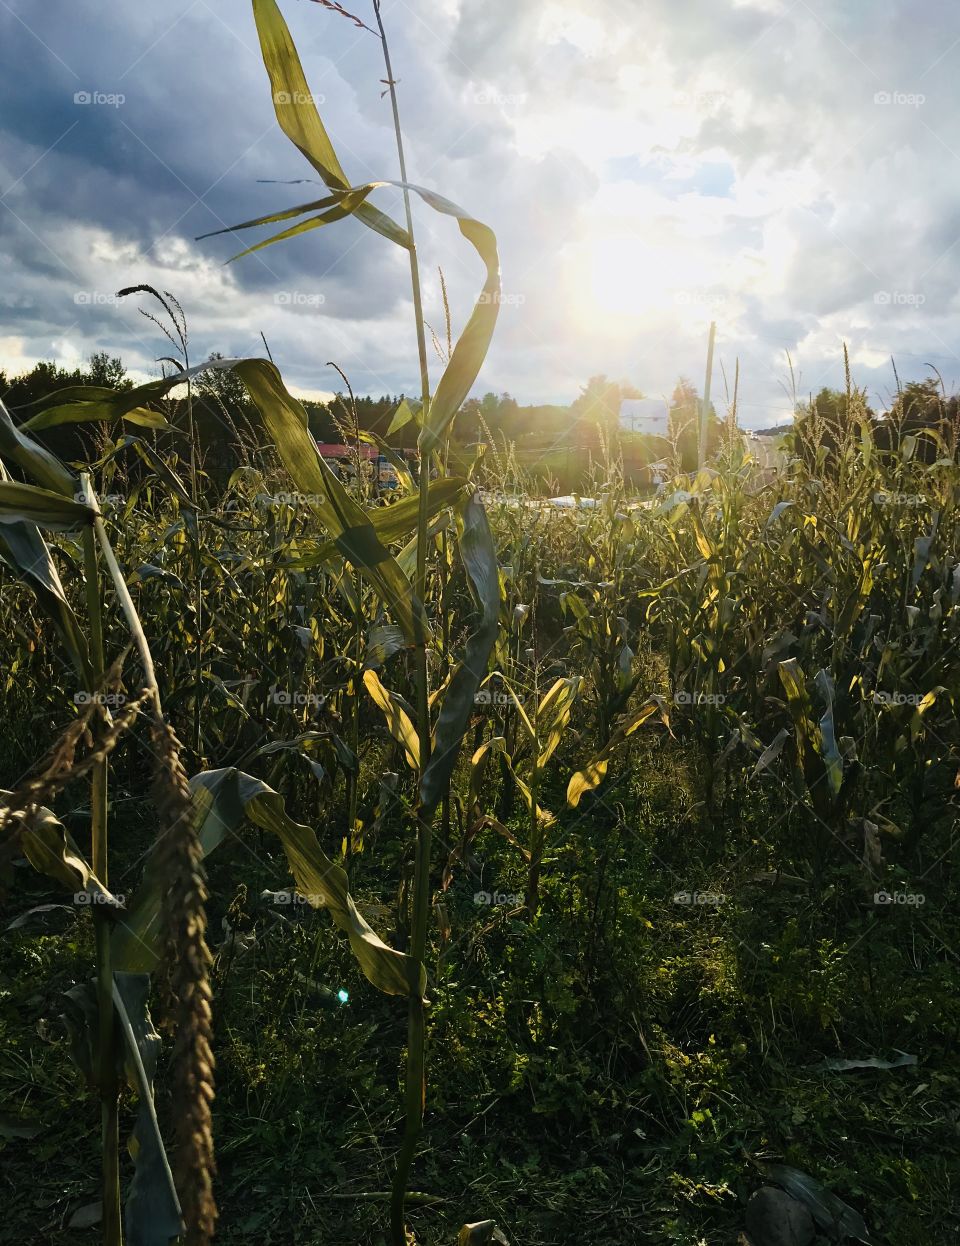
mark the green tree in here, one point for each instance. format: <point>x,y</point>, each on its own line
<point>684,425</point>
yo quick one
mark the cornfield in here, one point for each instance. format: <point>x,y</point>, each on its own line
<point>515,759</point>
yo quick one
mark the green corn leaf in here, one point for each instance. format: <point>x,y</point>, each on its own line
<point>36,461</point>
<point>807,739</point>
<point>394,522</point>
<point>383,641</point>
<point>472,345</point>
<point>408,410</point>
<point>497,745</point>
<point>107,409</point>
<point>26,553</point>
<point>346,204</point>
<point>21,504</point>
<point>345,519</point>
<point>771,752</point>
<point>271,218</point>
<point>483,575</point>
<point>553,715</point>
<point>152,1209</point>
<point>522,715</point>
<point>829,750</point>
<point>78,403</point>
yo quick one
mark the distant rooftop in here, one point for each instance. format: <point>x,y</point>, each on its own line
<point>330,450</point>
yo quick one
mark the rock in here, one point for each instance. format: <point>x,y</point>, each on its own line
<point>776,1219</point>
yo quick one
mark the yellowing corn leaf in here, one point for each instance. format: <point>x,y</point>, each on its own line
<point>398,720</point>
<point>298,116</point>
<point>594,772</point>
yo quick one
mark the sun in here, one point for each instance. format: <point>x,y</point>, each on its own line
<point>634,277</point>
<point>627,277</point>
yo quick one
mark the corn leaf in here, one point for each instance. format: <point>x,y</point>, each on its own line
<point>227,798</point>
<point>345,519</point>
<point>398,721</point>
<point>20,503</point>
<point>298,116</point>
<point>152,1209</point>
<point>472,345</point>
<point>483,575</point>
<point>594,772</point>
<point>409,409</point>
<point>553,715</point>
<point>36,461</point>
<point>50,849</point>
<point>394,522</point>
<point>26,553</point>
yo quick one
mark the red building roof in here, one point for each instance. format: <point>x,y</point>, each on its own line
<point>329,450</point>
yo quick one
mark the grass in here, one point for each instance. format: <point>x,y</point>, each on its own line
<point>615,1065</point>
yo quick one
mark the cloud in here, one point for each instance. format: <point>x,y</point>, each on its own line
<point>780,167</point>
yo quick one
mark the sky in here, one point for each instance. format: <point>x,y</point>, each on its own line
<point>786,168</point>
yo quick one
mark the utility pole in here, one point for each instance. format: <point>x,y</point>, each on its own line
<point>705,402</point>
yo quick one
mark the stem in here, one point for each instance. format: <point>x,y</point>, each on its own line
<point>197,570</point>
<point>130,613</point>
<point>107,1077</point>
<point>537,832</point>
<point>415,1090</point>
<point>353,778</point>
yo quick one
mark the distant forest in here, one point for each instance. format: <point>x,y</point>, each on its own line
<point>552,440</point>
